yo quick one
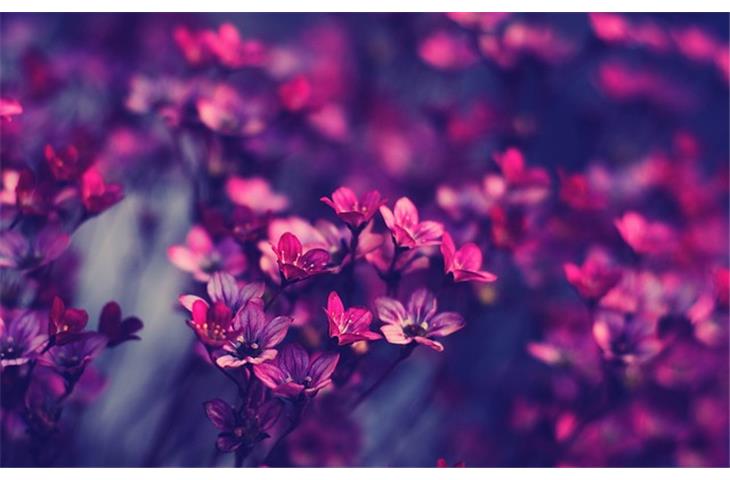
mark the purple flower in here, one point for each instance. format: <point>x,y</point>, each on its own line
<point>241,430</point>
<point>22,253</point>
<point>20,336</point>
<point>256,340</point>
<point>201,257</point>
<point>420,322</point>
<point>625,337</point>
<point>294,372</point>
<point>71,359</point>
<point>351,210</point>
<point>351,325</point>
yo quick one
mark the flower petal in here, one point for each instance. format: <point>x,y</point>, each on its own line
<point>390,310</point>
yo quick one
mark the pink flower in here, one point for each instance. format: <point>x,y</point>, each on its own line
<point>202,258</point>
<point>351,325</point>
<point>214,325</point>
<point>294,264</point>
<point>118,330</point>
<point>96,194</point>
<point>256,340</point>
<point>226,111</point>
<point>527,185</point>
<point>20,336</point>
<point>405,227</point>
<point>65,323</point>
<point>10,108</point>
<point>293,372</point>
<point>447,51</point>
<point>256,194</point>
<point>295,93</point>
<point>241,430</point>
<point>420,322</point>
<point>464,264</point>
<point>595,277</point>
<point>644,236</point>
<point>351,210</point>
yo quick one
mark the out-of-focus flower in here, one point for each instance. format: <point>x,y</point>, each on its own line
<point>296,93</point>
<point>65,164</point>
<point>20,336</point>
<point>241,430</point>
<point>227,112</point>
<point>407,230</point>
<point>118,330</point>
<point>71,358</point>
<point>464,264</point>
<point>527,185</point>
<point>420,323</point>
<point>96,194</point>
<point>447,51</point>
<point>577,192</point>
<point>256,194</point>
<point>64,324</point>
<point>626,337</point>
<point>256,340</point>
<point>225,45</point>
<point>351,325</point>
<point>27,253</point>
<point>294,372</point>
<point>442,463</point>
<point>10,108</point>
<point>595,277</point>
<point>644,236</point>
<point>201,257</point>
<point>294,263</point>
<point>351,210</point>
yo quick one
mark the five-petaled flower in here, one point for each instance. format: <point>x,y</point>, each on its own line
<point>464,264</point>
<point>595,277</point>
<point>201,257</point>
<point>294,264</point>
<point>351,325</point>
<point>419,322</point>
<point>625,337</point>
<point>407,230</point>
<point>256,339</point>
<point>96,194</point>
<point>294,372</point>
<point>71,359</point>
<point>241,430</point>
<point>20,336</point>
<point>65,324</point>
<point>351,210</point>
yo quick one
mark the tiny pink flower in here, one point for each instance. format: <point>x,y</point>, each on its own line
<point>294,264</point>
<point>595,277</point>
<point>255,193</point>
<point>64,324</point>
<point>294,372</point>
<point>351,210</point>
<point>10,108</point>
<point>644,236</point>
<point>256,340</point>
<point>213,324</point>
<point>419,323</point>
<point>201,257</point>
<point>464,263</point>
<point>96,194</point>
<point>351,325</point>
<point>405,227</point>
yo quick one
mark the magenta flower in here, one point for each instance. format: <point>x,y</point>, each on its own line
<point>118,330</point>
<point>351,325</point>
<point>419,323</point>
<point>255,193</point>
<point>9,108</point>
<point>405,227</point>
<point>96,194</point>
<point>644,236</point>
<point>201,257</point>
<point>595,277</point>
<point>20,336</point>
<point>71,359</point>
<point>241,431</point>
<point>351,210</point>
<point>294,372</point>
<point>213,324</point>
<point>21,253</point>
<point>294,264</point>
<point>463,264</point>
<point>256,339</point>
<point>64,324</point>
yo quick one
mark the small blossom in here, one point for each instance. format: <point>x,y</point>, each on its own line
<point>419,323</point>
<point>71,358</point>
<point>295,93</point>
<point>351,325</point>
<point>626,337</point>
<point>118,330</point>
<point>294,372</point>
<point>255,193</point>
<point>351,210</point>
<point>23,253</point>
<point>10,108</point>
<point>405,227</point>
<point>213,324</point>
<point>294,264</point>
<point>464,264</point>
<point>644,236</point>
<point>96,194</point>
<point>241,430</point>
<point>222,287</point>
<point>64,324</point>
<point>20,336</point>
<point>256,340</point>
<point>201,257</point>
<point>595,277</point>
